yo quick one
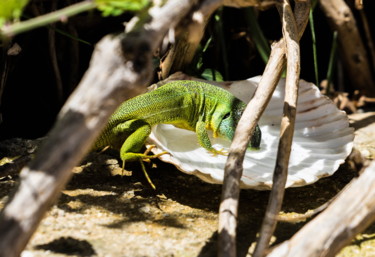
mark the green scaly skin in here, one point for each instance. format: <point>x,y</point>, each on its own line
<point>191,105</point>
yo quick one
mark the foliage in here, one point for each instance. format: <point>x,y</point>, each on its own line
<point>257,35</point>
<point>11,10</point>
<point>213,75</point>
<point>118,7</point>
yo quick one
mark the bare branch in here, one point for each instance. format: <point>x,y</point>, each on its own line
<point>245,128</point>
<point>348,215</point>
<point>248,3</point>
<point>20,27</point>
<point>280,174</point>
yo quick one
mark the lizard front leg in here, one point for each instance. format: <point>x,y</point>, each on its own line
<point>130,149</point>
<point>204,139</point>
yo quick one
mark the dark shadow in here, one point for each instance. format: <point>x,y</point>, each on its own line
<point>7,185</point>
<point>363,122</point>
<point>246,234</point>
<point>210,248</point>
<point>300,200</point>
<point>187,190</point>
<point>107,192</point>
<point>129,196</point>
<point>68,246</point>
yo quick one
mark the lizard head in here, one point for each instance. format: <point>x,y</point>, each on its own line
<point>228,122</point>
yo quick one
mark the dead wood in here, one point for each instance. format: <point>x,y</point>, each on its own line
<point>351,45</point>
<point>120,68</point>
<point>349,214</point>
<point>280,174</point>
<point>248,3</point>
<point>233,169</point>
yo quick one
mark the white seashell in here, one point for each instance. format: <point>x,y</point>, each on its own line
<point>322,140</point>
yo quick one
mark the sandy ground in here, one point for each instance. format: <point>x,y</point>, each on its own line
<point>103,215</point>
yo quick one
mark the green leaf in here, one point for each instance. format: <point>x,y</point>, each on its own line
<point>11,9</point>
<point>257,34</point>
<point>118,7</point>
<point>213,75</point>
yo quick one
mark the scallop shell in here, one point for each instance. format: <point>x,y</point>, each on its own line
<point>322,140</point>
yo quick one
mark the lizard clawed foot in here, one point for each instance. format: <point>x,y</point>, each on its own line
<point>148,150</point>
<point>147,158</point>
<point>144,157</point>
<point>146,175</point>
<point>129,173</point>
<point>216,152</point>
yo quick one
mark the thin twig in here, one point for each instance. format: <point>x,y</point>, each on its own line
<point>17,28</point>
<point>233,169</point>
<point>313,39</point>
<point>369,38</point>
<point>53,56</point>
<point>4,69</point>
<point>247,3</point>
<point>280,174</point>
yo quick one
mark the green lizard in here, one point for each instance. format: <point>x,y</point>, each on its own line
<point>190,105</point>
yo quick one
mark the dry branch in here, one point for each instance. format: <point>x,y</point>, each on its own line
<point>351,45</point>
<point>120,68</point>
<point>348,215</point>
<point>248,3</point>
<point>233,170</point>
<point>290,35</point>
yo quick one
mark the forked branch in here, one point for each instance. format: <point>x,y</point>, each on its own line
<point>280,173</point>
<point>245,128</point>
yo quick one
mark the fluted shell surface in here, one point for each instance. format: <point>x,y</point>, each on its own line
<point>322,140</point>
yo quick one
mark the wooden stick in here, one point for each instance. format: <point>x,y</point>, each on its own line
<point>247,3</point>
<point>286,130</point>
<point>233,169</point>
<point>120,68</point>
<point>42,20</point>
<point>349,214</point>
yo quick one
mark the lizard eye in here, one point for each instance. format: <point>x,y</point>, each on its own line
<point>226,116</point>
